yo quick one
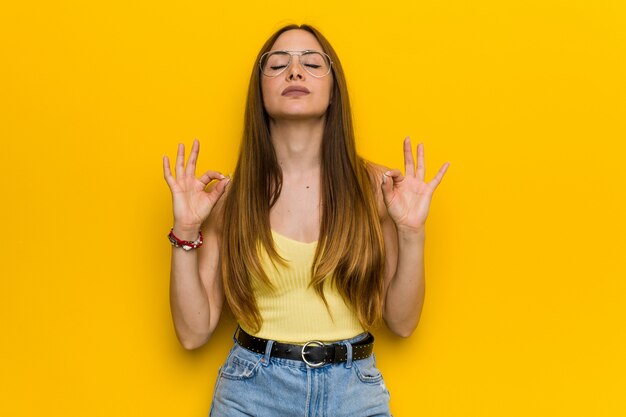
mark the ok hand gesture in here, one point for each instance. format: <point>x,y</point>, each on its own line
<point>192,204</point>
<point>408,197</point>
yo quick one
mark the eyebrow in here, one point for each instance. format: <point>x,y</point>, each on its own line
<point>286,50</point>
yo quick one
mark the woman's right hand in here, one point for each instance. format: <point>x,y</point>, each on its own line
<point>192,204</point>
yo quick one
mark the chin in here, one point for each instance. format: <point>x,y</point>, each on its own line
<point>302,116</point>
<point>297,114</point>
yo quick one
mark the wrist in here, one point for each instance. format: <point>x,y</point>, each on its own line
<point>411,233</point>
<point>187,245</point>
<point>186,232</point>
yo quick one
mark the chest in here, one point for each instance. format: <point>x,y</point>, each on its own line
<point>296,213</point>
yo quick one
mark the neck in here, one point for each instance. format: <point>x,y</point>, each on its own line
<point>298,144</point>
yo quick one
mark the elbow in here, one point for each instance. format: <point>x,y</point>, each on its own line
<point>190,345</point>
<point>193,343</point>
<point>402,328</point>
<point>404,332</point>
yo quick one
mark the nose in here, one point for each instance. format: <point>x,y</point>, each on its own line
<point>295,71</point>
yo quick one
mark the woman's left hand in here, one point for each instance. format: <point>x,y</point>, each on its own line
<point>407,197</point>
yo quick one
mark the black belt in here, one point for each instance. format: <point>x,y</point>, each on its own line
<point>314,353</point>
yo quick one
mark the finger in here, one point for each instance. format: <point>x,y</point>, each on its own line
<point>395,175</point>
<point>180,160</point>
<point>387,188</point>
<point>409,163</point>
<point>221,186</point>
<point>167,171</point>
<point>437,180</point>
<point>193,158</point>
<point>420,162</point>
<point>209,176</point>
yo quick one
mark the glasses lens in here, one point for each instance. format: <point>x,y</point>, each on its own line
<point>274,63</point>
<point>315,63</point>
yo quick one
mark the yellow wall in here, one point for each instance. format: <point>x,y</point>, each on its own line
<point>526,237</point>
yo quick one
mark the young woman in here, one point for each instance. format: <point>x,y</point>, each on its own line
<point>311,245</point>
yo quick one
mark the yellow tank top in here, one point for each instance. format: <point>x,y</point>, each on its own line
<point>292,312</point>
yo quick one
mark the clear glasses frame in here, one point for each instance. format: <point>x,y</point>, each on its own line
<point>299,54</point>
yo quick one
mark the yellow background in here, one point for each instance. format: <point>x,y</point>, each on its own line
<point>526,238</point>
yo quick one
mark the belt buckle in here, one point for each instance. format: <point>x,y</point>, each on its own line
<point>312,365</point>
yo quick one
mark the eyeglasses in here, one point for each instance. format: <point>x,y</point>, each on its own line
<point>316,63</point>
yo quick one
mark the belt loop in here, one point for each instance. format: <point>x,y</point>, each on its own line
<point>348,354</point>
<point>268,352</point>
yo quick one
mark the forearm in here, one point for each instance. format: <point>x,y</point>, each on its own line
<point>196,295</point>
<point>189,302</point>
<point>405,295</point>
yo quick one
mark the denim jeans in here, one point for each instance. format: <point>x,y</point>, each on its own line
<point>259,385</point>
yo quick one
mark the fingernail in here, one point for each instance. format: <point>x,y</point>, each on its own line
<point>384,178</point>
<point>222,176</point>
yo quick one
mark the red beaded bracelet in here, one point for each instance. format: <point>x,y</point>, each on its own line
<point>185,244</point>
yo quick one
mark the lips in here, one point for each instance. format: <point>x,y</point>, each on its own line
<point>295,90</point>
